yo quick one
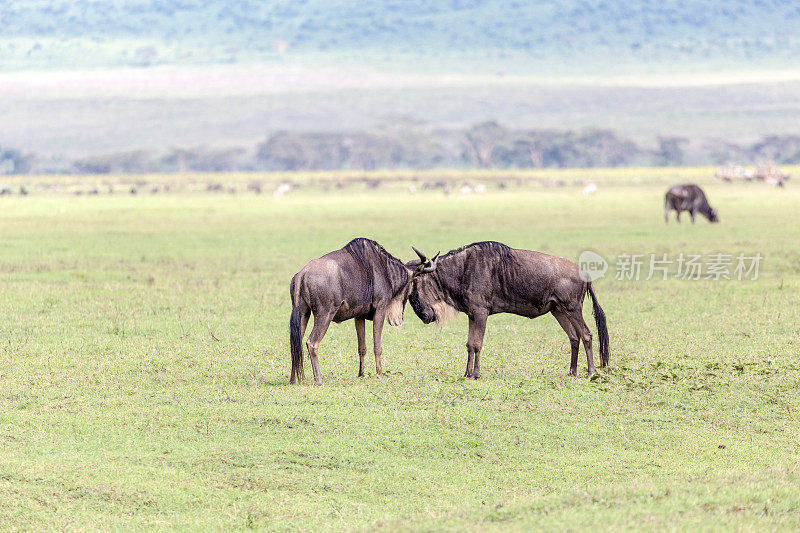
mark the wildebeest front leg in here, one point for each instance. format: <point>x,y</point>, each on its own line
<point>470,353</point>
<point>477,329</point>
<point>321,324</point>
<point>574,340</point>
<point>377,331</point>
<point>362,345</point>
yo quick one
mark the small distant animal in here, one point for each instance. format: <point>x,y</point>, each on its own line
<point>590,189</point>
<point>361,281</point>
<point>689,198</point>
<point>283,188</point>
<point>486,278</point>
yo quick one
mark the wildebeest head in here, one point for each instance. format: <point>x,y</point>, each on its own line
<point>423,297</point>
<point>416,268</point>
<point>713,216</point>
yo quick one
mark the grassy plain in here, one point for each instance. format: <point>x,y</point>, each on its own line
<point>144,366</point>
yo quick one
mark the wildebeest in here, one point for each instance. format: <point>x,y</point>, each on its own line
<point>486,278</point>
<point>689,198</point>
<point>361,281</point>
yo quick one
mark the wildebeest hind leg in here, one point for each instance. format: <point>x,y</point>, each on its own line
<point>321,323</point>
<point>305,314</point>
<point>586,336</point>
<point>362,345</point>
<point>574,340</point>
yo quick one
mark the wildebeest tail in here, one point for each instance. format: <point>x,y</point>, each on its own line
<point>295,338</point>
<point>602,328</point>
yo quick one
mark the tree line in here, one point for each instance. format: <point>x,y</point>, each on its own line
<point>487,145</point>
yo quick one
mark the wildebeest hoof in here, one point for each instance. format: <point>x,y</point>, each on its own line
<point>318,382</point>
<point>590,375</point>
<point>475,375</point>
<point>572,374</point>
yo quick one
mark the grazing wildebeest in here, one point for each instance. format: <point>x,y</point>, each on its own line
<point>360,281</point>
<point>689,198</point>
<point>486,278</point>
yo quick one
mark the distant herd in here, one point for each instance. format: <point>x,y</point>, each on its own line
<point>362,281</point>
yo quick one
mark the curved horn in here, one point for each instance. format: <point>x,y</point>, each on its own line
<point>422,257</point>
<point>432,264</point>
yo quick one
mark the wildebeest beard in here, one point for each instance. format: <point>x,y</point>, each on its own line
<point>426,300</point>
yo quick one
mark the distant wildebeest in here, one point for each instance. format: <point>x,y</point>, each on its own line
<point>487,278</point>
<point>689,198</point>
<point>361,281</point>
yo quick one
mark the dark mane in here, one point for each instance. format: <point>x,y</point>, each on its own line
<point>453,264</point>
<point>363,249</point>
<point>487,247</point>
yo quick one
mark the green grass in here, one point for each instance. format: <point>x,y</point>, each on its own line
<point>144,366</point>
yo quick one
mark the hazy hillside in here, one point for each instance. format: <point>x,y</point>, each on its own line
<point>87,33</point>
<point>624,82</point>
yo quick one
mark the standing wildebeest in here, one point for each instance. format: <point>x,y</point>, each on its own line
<point>689,198</point>
<point>361,281</point>
<point>486,278</point>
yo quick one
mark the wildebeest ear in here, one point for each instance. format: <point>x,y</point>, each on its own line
<point>414,263</point>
